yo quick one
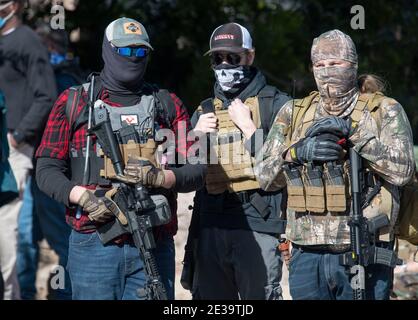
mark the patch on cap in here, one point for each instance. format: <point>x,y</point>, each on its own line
<point>132,28</point>
<point>125,32</point>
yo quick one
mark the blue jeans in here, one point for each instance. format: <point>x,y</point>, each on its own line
<point>114,272</point>
<point>29,233</point>
<point>41,217</point>
<point>319,276</point>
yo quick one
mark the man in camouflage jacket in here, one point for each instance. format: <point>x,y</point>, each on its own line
<point>383,139</point>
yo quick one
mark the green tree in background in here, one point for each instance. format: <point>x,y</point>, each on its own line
<point>283,31</point>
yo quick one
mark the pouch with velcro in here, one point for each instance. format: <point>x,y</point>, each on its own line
<point>335,188</point>
<point>314,189</point>
<point>295,189</point>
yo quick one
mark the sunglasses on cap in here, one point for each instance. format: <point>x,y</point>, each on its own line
<point>218,58</point>
<point>130,51</point>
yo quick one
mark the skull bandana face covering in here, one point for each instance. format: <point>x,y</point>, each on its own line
<point>337,85</point>
<point>232,78</point>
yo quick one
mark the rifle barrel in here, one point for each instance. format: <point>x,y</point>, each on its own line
<point>356,233</point>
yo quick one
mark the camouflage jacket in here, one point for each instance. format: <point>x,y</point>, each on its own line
<point>388,151</point>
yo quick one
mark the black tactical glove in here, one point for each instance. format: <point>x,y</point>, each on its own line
<point>323,148</point>
<point>332,125</point>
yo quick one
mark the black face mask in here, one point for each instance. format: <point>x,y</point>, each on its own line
<point>122,74</point>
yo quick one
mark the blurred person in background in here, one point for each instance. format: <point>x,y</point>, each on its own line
<point>8,188</point>
<point>28,83</point>
<point>41,216</point>
<point>66,67</point>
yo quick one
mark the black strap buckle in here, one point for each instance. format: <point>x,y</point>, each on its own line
<point>243,196</point>
<point>256,201</point>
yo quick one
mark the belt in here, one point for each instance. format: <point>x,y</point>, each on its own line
<point>337,248</point>
<point>242,196</point>
<point>324,248</point>
<point>245,196</point>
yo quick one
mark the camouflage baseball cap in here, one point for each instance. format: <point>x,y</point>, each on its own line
<point>125,32</point>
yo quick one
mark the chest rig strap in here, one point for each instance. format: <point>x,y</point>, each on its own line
<point>300,108</point>
<point>370,101</point>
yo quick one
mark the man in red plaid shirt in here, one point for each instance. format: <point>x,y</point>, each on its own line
<point>115,270</point>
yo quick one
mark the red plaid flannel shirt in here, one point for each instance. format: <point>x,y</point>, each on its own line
<point>57,143</point>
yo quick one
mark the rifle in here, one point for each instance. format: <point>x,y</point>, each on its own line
<point>364,233</point>
<point>134,201</point>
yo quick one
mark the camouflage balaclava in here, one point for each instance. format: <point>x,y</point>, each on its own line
<point>337,85</point>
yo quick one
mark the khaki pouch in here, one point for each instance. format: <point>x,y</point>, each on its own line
<point>335,189</point>
<point>314,189</point>
<point>295,189</point>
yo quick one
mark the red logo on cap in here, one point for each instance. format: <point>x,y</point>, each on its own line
<point>224,37</point>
